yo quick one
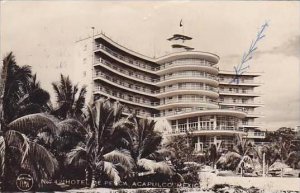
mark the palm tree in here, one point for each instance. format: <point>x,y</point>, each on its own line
<point>104,151</point>
<point>238,157</point>
<point>20,152</point>
<point>34,100</point>
<point>146,148</point>
<point>22,92</point>
<point>70,102</point>
<point>17,80</point>
<point>38,143</point>
<point>184,158</point>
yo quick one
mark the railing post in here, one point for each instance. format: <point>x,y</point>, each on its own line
<point>264,165</point>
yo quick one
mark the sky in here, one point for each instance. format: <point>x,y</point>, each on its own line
<point>42,34</point>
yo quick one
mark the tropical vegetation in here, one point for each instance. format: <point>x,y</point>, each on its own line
<point>98,142</point>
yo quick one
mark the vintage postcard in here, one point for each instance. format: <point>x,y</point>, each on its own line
<point>150,96</point>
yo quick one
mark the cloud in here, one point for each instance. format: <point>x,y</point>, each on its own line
<point>290,47</point>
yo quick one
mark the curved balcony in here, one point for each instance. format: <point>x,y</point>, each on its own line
<point>189,54</point>
<point>122,84</point>
<point>179,77</point>
<point>139,65</point>
<point>130,75</point>
<point>189,89</point>
<point>200,111</point>
<point>198,130</point>
<point>125,97</point>
<point>187,77</point>
<point>187,64</point>
<point>129,111</point>
<point>187,102</point>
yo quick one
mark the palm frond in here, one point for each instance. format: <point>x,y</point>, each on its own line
<point>161,153</point>
<point>111,171</point>
<point>33,123</point>
<point>71,126</point>
<point>120,156</point>
<point>80,102</point>
<point>123,124</point>
<point>43,158</point>
<point>150,145</point>
<point>77,157</point>
<point>155,167</point>
<point>59,96</point>
<point>19,141</point>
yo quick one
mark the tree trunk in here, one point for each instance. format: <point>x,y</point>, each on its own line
<point>93,183</point>
<point>87,174</point>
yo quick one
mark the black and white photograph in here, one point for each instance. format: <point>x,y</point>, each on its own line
<point>150,96</point>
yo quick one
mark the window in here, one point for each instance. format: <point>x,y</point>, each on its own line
<point>130,97</point>
<point>84,60</point>
<point>84,73</point>
<point>85,48</point>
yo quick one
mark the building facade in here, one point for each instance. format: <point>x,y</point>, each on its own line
<point>184,90</point>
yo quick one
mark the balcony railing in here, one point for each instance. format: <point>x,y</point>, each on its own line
<point>124,58</point>
<point>183,128</point>
<point>185,62</point>
<point>136,111</point>
<point>149,67</point>
<point>188,100</point>
<point>126,97</point>
<point>256,134</point>
<point>241,81</point>
<point>240,102</point>
<point>126,72</point>
<point>254,113</point>
<point>194,109</point>
<point>146,90</point>
<point>188,75</point>
<point>167,89</point>
<point>155,80</point>
<point>123,83</point>
<point>239,92</point>
<point>252,123</point>
<point>143,101</point>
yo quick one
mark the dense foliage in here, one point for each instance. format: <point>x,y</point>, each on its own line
<point>97,142</point>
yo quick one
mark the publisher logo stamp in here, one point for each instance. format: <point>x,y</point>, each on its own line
<point>24,182</point>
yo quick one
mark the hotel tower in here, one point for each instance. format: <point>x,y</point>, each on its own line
<point>184,90</point>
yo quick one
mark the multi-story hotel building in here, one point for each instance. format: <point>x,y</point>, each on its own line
<point>185,90</point>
